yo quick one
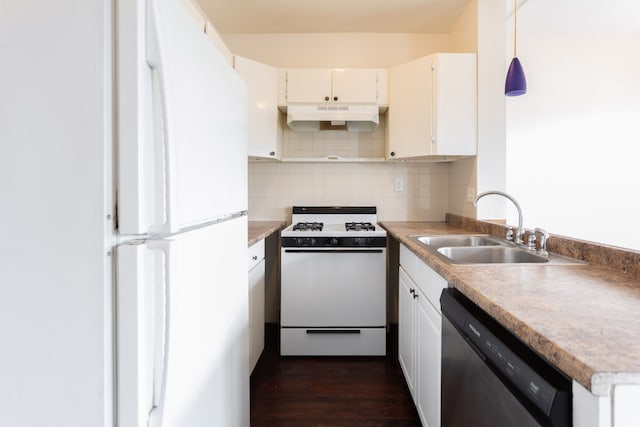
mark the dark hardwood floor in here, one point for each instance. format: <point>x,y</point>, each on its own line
<point>329,391</point>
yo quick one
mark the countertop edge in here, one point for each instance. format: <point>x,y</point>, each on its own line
<point>258,230</point>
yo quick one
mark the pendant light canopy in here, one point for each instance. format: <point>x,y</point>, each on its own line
<point>516,83</point>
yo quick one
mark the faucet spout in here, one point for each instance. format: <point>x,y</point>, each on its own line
<point>520,231</point>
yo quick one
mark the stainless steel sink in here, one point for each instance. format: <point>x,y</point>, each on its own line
<point>456,240</point>
<point>491,255</point>
<point>485,249</point>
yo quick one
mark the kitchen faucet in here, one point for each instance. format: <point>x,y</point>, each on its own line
<point>520,231</point>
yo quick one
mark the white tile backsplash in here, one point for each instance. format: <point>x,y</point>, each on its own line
<point>275,187</point>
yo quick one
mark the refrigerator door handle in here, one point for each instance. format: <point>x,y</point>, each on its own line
<point>163,130</point>
<point>161,328</point>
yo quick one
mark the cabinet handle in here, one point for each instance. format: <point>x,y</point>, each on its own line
<point>415,295</point>
<point>255,257</point>
<point>272,153</point>
<point>335,98</point>
<point>326,98</point>
<point>393,153</point>
<point>412,291</point>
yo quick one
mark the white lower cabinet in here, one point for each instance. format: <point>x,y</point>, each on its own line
<point>419,334</point>
<point>256,302</point>
<point>406,330</point>
<point>429,332</point>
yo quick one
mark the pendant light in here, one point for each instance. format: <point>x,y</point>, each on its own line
<point>516,83</point>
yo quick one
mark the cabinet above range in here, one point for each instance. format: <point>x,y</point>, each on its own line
<point>431,102</point>
<point>339,85</point>
<point>316,99</point>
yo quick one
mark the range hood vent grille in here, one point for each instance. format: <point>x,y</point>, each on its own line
<point>314,118</point>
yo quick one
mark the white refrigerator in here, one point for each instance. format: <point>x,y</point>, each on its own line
<point>123,180</point>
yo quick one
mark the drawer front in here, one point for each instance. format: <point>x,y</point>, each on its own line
<point>431,284</point>
<point>408,261</point>
<point>333,341</point>
<point>256,253</point>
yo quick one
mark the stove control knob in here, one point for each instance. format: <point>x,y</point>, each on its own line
<point>369,241</point>
<point>312,242</point>
<point>356,241</point>
<point>298,241</point>
<point>334,241</point>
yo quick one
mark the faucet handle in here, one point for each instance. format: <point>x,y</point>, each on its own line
<point>531,242</point>
<point>509,235</point>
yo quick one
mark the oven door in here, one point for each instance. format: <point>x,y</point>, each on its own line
<point>333,288</point>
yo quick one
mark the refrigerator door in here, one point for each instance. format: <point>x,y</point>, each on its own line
<point>183,329</point>
<point>182,113</point>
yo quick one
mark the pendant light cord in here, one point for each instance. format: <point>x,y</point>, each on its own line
<point>515,26</point>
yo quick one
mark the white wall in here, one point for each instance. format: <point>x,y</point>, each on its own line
<point>462,176</point>
<point>574,139</point>
<point>463,36</point>
<point>491,161</point>
<point>339,50</point>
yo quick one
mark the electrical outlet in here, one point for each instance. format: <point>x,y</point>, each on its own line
<point>399,185</point>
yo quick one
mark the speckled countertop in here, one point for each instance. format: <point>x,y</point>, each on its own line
<point>583,318</point>
<point>259,230</point>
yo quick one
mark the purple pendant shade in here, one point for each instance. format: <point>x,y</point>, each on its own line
<point>516,83</point>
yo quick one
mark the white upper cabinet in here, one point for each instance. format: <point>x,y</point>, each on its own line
<point>265,126</point>
<point>433,107</point>
<point>312,85</point>
<point>344,85</point>
<point>353,85</point>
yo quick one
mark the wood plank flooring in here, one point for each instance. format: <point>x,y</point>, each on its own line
<point>329,391</point>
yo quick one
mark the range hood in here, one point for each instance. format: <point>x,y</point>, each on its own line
<point>313,118</point>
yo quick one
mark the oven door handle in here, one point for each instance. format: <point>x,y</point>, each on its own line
<point>334,251</point>
<point>333,331</point>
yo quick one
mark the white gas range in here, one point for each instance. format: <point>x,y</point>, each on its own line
<point>333,293</point>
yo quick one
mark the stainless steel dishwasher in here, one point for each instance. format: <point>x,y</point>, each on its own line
<point>490,378</point>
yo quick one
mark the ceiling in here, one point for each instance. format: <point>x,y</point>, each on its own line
<point>333,16</point>
<point>411,16</point>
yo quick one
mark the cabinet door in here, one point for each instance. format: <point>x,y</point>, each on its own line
<point>355,85</point>
<point>262,90</point>
<point>406,329</point>
<point>433,107</point>
<point>428,331</point>
<point>256,313</point>
<point>409,115</point>
<point>308,85</point>
<point>455,104</point>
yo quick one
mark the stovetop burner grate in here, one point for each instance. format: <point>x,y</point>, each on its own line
<point>359,226</point>
<point>308,226</point>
